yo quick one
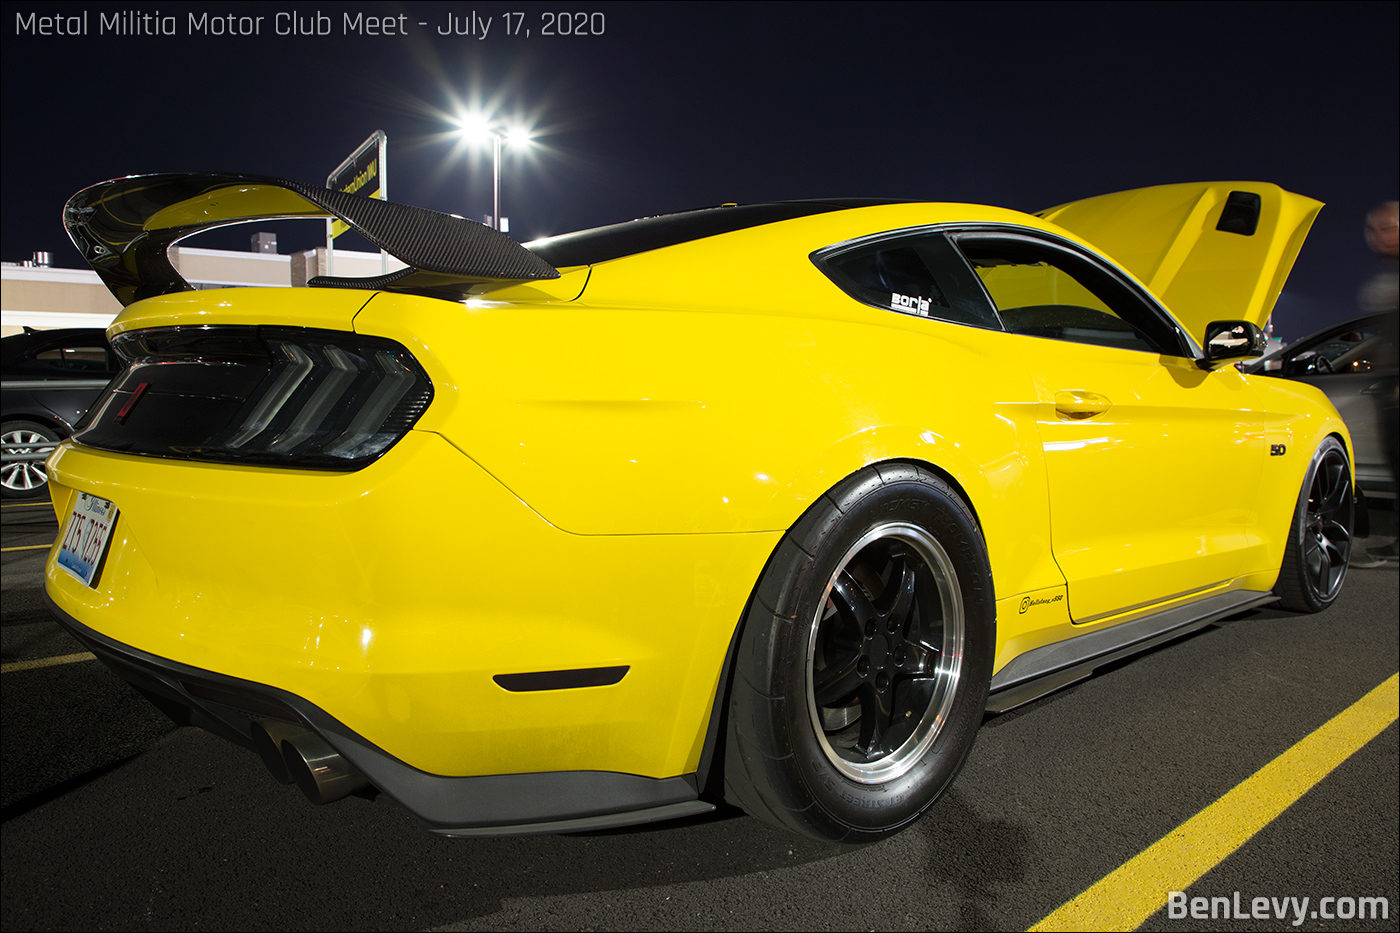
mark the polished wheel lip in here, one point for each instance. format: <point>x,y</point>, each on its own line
<point>26,475</point>
<point>946,674</point>
<point>1327,523</point>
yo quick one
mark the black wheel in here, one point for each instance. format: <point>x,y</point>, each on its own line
<point>864,661</point>
<point>25,479</point>
<point>1319,541</point>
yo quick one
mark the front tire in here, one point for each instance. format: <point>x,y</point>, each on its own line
<point>1318,551</point>
<point>864,662</point>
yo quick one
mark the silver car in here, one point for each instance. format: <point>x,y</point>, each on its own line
<point>1354,363</point>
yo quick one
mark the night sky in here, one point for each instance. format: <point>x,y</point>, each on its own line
<point>677,106</point>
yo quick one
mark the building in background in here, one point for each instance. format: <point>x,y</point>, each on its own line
<point>34,294</point>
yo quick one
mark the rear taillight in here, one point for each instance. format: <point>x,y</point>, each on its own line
<point>270,395</point>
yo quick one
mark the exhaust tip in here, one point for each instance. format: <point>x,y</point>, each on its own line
<point>319,770</point>
<point>267,740</point>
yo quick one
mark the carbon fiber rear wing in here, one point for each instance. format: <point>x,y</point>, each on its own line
<point>125,226</point>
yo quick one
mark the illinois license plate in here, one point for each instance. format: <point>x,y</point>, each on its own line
<point>85,539</point>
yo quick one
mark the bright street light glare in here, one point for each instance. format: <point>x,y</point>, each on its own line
<point>474,127</point>
<point>477,128</point>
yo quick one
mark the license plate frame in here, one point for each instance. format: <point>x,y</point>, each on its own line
<point>86,537</point>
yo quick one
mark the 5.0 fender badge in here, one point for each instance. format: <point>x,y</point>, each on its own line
<point>1277,450</point>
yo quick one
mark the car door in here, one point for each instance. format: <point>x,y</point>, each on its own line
<point>1151,461</point>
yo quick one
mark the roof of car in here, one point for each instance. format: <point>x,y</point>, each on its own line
<point>15,345</point>
<point>600,244</point>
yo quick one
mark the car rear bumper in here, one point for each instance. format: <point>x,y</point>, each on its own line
<point>556,801</point>
<point>419,603</point>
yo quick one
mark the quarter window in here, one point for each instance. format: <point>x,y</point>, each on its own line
<point>921,275</point>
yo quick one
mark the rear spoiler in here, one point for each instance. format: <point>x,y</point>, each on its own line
<point>125,226</point>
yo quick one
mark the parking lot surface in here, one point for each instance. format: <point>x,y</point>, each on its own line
<point>115,819</point>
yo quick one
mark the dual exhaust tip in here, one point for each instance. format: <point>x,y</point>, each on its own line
<point>297,755</point>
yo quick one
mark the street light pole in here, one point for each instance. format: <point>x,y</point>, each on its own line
<point>496,180</point>
<point>475,127</point>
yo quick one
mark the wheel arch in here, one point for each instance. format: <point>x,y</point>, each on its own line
<point>48,420</point>
<point>709,775</point>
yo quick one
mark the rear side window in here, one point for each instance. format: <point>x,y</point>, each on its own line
<point>922,275</point>
<point>74,360</point>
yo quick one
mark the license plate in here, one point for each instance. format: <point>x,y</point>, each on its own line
<point>85,539</point>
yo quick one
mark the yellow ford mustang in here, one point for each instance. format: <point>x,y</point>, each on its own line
<point>766,503</point>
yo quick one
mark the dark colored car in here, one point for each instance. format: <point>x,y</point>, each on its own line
<point>50,378</point>
<point>1354,363</point>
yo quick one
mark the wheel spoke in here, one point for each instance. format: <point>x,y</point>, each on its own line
<point>850,599</point>
<point>922,659</point>
<point>912,695</point>
<point>835,684</point>
<point>1319,564</point>
<point>1337,554</point>
<point>874,722</point>
<point>878,677</point>
<point>899,595</point>
<point>1331,490</point>
<point>1336,535</point>
<point>26,475</point>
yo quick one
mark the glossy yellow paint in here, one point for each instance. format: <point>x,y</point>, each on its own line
<point>1139,510</point>
<point>332,309</point>
<point>391,601</point>
<point>1166,236</point>
<point>626,421</point>
<point>610,458</point>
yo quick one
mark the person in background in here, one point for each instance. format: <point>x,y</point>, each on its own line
<point>1381,295</point>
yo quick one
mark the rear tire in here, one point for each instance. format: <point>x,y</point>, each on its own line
<point>864,662</point>
<point>1318,551</point>
<point>25,479</point>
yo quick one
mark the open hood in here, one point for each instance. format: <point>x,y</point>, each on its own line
<point>124,227</point>
<point>1210,251</point>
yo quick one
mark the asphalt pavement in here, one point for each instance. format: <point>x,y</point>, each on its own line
<point>115,819</point>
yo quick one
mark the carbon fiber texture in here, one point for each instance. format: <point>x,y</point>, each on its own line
<point>107,223</point>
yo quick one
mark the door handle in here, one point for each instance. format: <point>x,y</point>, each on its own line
<point>1075,403</point>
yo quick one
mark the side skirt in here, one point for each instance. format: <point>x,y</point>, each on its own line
<point>1049,668</point>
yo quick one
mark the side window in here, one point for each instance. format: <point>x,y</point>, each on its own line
<point>1355,349</point>
<point>1044,291</point>
<point>74,359</point>
<point>921,275</point>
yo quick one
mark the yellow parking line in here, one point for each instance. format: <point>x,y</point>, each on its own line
<point>27,505</point>
<point>27,547</point>
<point>1127,896</point>
<point>47,662</point>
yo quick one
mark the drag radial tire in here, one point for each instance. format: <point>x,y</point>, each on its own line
<point>1319,540</point>
<point>864,659</point>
